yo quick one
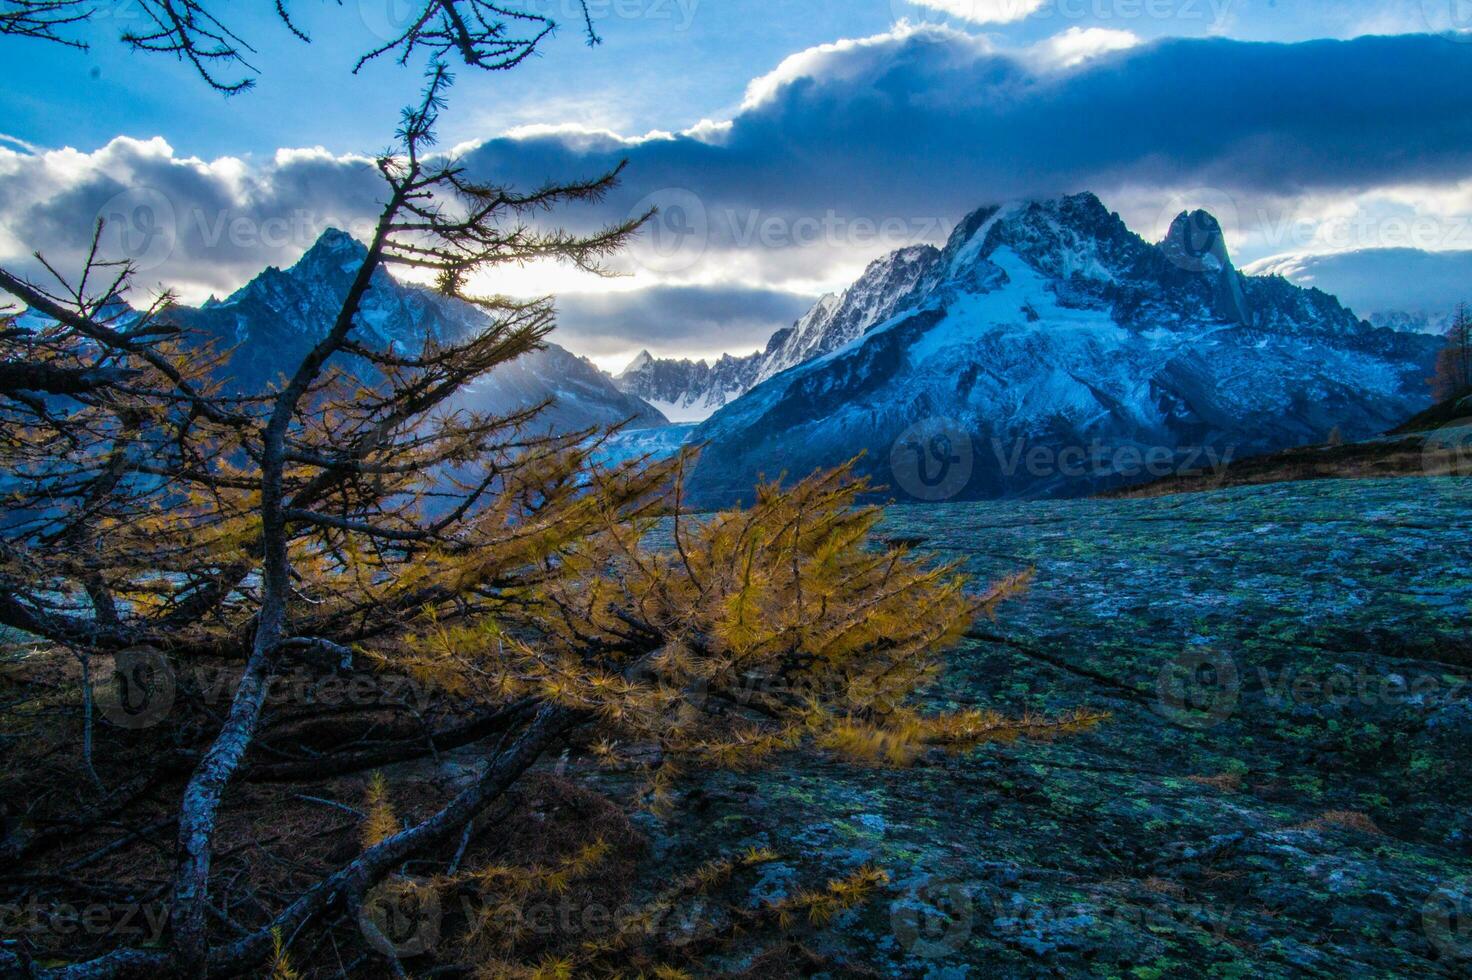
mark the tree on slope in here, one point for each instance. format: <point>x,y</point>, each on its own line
<point>1454,363</point>
<point>361,522</point>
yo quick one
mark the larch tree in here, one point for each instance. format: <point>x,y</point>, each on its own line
<point>1454,363</point>
<point>355,517</point>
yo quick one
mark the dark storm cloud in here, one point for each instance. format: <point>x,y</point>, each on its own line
<point>1382,280</point>
<point>841,154</point>
<point>938,123</point>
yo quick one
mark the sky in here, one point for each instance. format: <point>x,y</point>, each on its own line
<point>787,144</point>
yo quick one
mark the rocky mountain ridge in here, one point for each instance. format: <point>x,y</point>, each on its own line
<point>1049,350</point>
<point>690,391</point>
<point>272,320</point>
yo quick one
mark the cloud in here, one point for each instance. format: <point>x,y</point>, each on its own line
<point>17,141</point>
<point>1078,44</point>
<point>198,226</point>
<point>919,126</point>
<point>851,61</point>
<point>986,11</point>
<point>841,153</point>
<point>675,321</point>
<point>1381,280</point>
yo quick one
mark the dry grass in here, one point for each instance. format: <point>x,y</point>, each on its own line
<point>1343,820</point>
<point>1162,886</point>
<point>1352,461</point>
<point>1227,782</point>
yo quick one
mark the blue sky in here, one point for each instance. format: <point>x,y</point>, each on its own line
<point>664,65</point>
<point>811,136</point>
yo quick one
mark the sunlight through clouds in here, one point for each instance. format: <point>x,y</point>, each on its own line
<point>848,150</point>
<point>1078,44</point>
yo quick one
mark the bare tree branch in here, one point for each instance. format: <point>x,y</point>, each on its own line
<point>482,35</point>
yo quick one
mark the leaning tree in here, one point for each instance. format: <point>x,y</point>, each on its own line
<point>357,517</point>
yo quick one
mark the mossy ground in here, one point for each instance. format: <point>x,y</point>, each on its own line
<point>1283,789</point>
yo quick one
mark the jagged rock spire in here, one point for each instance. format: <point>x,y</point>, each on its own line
<point>1196,243</point>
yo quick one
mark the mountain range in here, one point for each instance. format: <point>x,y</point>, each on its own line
<point>1379,283</point>
<point>273,320</point>
<point>690,391</point>
<point>1405,289</point>
<point>1046,350</point>
<point>1049,350</point>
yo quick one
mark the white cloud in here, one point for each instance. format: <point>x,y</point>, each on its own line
<point>581,136</point>
<point>838,144</point>
<point>17,141</point>
<point>985,11</point>
<point>853,59</point>
<point>1079,44</point>
<point>199,227</point>
<point>709,130</point>
<point>547,277</point>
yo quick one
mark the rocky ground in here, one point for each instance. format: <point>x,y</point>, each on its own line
<point>1282,789</point>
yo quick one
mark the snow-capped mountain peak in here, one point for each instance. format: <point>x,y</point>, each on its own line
<point>691,391</point>
<point>685,390</point>
<point>641,360</point>
<point>273,320</point>
<point>1050,326</point>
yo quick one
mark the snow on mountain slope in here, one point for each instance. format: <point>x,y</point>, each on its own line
<point>273,320</point>
<point>689,391</point>
<point>1048,350</point>
<point>836,320</point>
